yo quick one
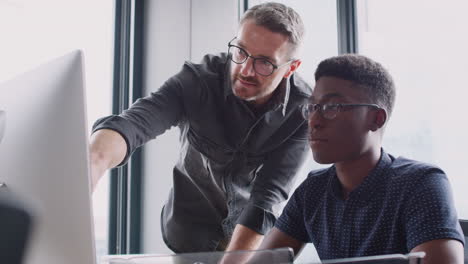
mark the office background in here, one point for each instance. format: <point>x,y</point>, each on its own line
<point>132,46</point>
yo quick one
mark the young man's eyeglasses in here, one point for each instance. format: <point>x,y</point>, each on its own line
<point>261,65</point>
<point>330,111</point>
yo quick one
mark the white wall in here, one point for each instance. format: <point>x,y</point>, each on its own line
<point>175,31</point>
<point>34,32</point>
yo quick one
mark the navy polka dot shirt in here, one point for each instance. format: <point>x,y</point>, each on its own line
<point>401,204</point>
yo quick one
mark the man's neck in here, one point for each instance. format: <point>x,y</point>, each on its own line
<point>263,104</point>
<point>260,102</point>
<point>277,96</point>
<point>352,173</point>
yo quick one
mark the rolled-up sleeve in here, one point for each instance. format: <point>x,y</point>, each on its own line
<point>274,181</point>
<point>150,116</point>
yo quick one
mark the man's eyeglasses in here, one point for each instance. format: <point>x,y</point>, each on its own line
<point>261,65</point>
<point>330,111</point>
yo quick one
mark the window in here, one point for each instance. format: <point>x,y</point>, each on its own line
<point>34,32</point>
<point>423,45</point>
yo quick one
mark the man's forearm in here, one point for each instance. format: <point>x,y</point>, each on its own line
<point>107,149</point>
<point>244,238</point>
<point>447,251</point>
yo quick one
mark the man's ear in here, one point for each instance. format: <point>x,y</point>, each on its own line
<point>292,68</point>
<point>379,120</point>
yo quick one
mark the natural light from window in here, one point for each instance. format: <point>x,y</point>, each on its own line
<point>423,45</point>
<point>34,32</point>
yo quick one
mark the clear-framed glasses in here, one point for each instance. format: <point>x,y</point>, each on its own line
<point>261,65</point>
<point>330,111</point>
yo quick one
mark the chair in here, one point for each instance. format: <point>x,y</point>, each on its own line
<point>273,256</point>
<point>464,226</point>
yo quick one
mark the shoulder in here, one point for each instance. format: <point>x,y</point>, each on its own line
<point>299,86</point>
<point>319,175</point>
<point>405,164</point>
<point>315,183</point>
<point>198,79</point>
<point>408,169</point>
<point>213,65</point>
<point>410,177</point>
<point>310,192</point>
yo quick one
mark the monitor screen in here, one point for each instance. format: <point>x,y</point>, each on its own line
<point>44,159</point>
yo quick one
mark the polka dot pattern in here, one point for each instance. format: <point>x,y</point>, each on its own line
<point>402,203</point>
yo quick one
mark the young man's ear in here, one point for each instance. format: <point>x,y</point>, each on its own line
<point>292,68</point>
<point>380,118</point>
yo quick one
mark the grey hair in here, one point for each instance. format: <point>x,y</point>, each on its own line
<point>278,18</point>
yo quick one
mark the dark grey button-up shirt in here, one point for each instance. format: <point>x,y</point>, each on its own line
<point>235,165</point>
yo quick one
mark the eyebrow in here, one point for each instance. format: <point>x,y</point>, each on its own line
<point>257,56</point>
<point>327,97</point>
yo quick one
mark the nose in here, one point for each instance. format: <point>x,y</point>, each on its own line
<point>247,68</point>
<point>315,120</point>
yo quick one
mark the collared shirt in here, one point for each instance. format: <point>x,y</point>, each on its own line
<point>401,204</point>
<point>235,165</point>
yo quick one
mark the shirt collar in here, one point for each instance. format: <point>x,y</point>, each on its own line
<point>281,100</point>
<point>366,189</point>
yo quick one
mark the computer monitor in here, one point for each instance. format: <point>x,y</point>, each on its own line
<point>44,159</point>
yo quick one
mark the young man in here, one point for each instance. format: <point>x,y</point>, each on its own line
<point>369,202</point>
<point>242,133</point>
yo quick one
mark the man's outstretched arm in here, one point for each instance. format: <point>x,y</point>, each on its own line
<point>107,149</point>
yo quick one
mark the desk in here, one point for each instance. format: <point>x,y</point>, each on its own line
<point>272,256</point>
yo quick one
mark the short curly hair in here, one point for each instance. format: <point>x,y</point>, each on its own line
<point>366,73</point>
<point>278,18</point>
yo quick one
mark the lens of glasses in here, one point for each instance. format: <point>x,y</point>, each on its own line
<point>237,55</point>
<point>263,66</point>
<point>329,111</point>
<point>260,65</point>
<point>305,111</point>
